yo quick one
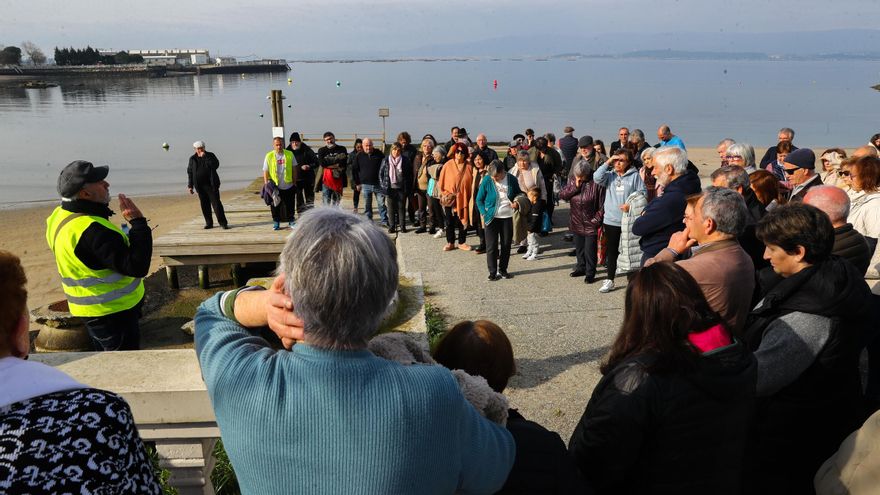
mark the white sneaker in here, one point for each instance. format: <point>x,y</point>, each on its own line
<point>607,286</point>
<point>532,257</point>
<point>526,256</point>
<point>438,234</point>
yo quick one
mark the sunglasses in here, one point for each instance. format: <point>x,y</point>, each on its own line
<point>791,171</point>
<point>459,152</point>
<point>844,173</point>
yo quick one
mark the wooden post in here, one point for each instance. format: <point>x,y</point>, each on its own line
<point>236,274</point>
<point>204,277</point>
<point>277,108</point>
<point>171,273</point>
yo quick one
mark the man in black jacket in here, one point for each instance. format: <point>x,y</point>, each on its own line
<point>202,178</point>
<point>568,144</point>
<point>735,177</point>
<point>101,265</point>
<point>332,158</point>
<point>849,244</point>
<point>365,174</point>
<point>306,163</point>
<point>622,138</point>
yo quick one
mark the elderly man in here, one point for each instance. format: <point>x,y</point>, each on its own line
<point>667,138</point>
<point>568,145</point>
<point>587,153</point>
<point>848,242</point>
<point>785,135</point>
<point>510,160</point>
<point>101,265</point>
<point>622,139</point>
<point>306,164</point>
<point>663,215</point>
<point>721,149</point>
<point>736,178</point>
<point>718,263</point>
<point>800,167</point>
<point>365,174</point>
<point>202,178</point>
<point>334,415</point>
<point>483,149</point>
<point>280,167</point>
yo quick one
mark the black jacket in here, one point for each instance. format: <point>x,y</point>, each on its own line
<point>305,155</point>
<point>849,244</point>
<point>331,157</point>
<point>663,216</point>
<point>748,240</point>
<point>770,155</point>
<point>100,248</point>
<point>668,433</point>
<point>365,169</point>
<point>587,206</point>
<point>202,172</point>
<point>405,182</point>
<point>568,144</point>
<point>542,463</point>
<point>803,423</point>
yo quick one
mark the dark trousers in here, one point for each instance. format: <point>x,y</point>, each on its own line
<point>452,223</point>
<point>284,211</point>
<point>585,250</point>
<point>498,255</point>
<point>117,332</point>
<point>305,196</point>
<point>435,211</point>
<point>612,248</point>
<point>551,200</point>
<point>481,232</point>
<point>396,202</point>
<point>412,206</point>
<point>422,210</point>
<point>355,197</point>
<point>209,197</point>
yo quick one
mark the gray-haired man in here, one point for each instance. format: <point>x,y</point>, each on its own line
<point>203,179</point>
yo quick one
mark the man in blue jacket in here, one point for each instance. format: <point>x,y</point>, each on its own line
<point>664,215</point>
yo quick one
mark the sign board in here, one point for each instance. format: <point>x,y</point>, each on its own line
<point>384,112</point>
<point>277,132</point>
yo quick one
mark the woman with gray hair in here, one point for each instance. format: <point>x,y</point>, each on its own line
<point>741,155</point>
<point>496,204</point>
<point>585,198</point>
<point>330,406</point>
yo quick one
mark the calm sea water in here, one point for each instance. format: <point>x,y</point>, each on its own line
<point>123,121</point>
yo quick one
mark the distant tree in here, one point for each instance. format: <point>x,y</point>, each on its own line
<point>33,52</point>
<point>122,58</point>
<point>11,55</point>
<point>135,59</point>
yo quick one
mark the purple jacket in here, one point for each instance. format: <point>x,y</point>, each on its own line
<point>586,206</point>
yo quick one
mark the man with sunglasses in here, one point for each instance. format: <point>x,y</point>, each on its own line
<point>800,169</point>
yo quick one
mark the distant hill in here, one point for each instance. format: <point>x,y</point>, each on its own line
<point>837,44</point>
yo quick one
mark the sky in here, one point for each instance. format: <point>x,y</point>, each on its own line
<point>272,28</point>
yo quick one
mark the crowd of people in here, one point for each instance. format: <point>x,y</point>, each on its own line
<point>736,368</point>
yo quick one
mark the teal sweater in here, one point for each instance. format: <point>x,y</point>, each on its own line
<point>329,422</point>
<point>487,196</point>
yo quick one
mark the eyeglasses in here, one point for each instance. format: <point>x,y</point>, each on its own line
<point>459,152</point>
<point>844,173</point>
<point>733,157</point>
<point>791,171</point>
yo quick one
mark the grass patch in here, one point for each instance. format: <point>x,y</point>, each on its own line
<point>222,477</point>
<point>435,321</point>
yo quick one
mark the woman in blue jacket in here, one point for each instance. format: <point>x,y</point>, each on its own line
<point>495,201</point>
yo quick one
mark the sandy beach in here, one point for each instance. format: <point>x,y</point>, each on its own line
<point>23,230</point>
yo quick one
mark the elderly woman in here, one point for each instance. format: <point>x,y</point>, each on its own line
<point>424,159</point>
<point>455,183</point>
<point>56,434</point>
<point>620,180</point>
<point>435,209</point>
<point>864,214</point>
<point>741,155</point>
<point>585,197</point>
<point>805,334</point>
<point>528,175</point>
<point>831,160</point>
<point>396,181</point>
<point>672,410</point>
<point>479,173</point>
<point>647,159</point>
<point>496,204</point>
<point>636,145</point>
<point>329,413</point>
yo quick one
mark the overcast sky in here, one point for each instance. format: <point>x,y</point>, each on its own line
<point>273,28</point>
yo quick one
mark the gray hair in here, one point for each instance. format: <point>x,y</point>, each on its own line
<point>494,167</point>
<point>831,200</point>
<point>673,156</point>
<point>636,136</point>
<point>727,208</point>
<point>735,176</point>
<point>745,150</point>
<point>647,153</point>
<point>787,130</point>
<point>523,155</point>
<point>341,274</point>
<point>726,142</point>
<point>581,169</point>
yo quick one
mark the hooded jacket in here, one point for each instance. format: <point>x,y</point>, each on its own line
<point>617,189</point>
<point>664,215</point>
<point>668,433</point>
<point>806,333</point>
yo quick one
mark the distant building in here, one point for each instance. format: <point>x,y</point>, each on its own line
<point>226,61</point>
<point>173,56</point>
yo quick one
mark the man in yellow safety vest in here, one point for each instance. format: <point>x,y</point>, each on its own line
<point>101,265</point>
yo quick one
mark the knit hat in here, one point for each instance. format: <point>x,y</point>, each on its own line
<point>77,174</point>
<point>802,158</point>
<point>295,137</point>
<point>585,142</point>
<point>199,144</point>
